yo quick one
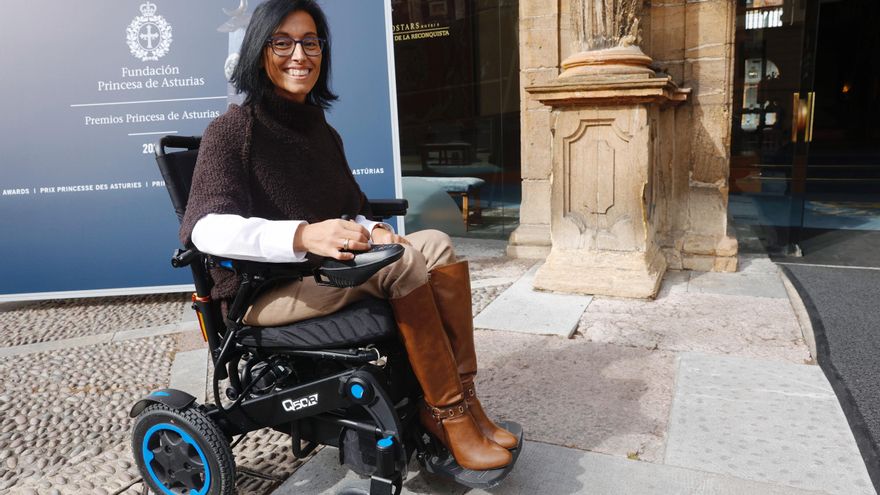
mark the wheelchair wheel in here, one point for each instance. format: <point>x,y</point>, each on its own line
<point>182,452</point>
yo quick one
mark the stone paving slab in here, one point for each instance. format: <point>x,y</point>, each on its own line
<point>141,333</point>
<point>680,320</point>
<point>492,268</point>
<point>492,282</point>
<point>738,284</point>
<point>189,373</point>
<point>522,309</point>
<point>543,469</point>
<point>765,421</point>
<point>571,392</point>
<point>479,248</point>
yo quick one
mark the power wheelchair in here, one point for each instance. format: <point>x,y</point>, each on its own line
<point>343,380</point>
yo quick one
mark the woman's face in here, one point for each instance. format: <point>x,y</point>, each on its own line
<point>296,75</point>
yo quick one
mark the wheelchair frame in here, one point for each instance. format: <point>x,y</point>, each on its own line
<point>317,410</point>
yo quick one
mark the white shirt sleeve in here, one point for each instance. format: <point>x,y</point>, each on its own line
<point>254,239</point>
<point>369,224</point>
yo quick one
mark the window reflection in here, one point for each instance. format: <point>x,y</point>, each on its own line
<point>457,66</point>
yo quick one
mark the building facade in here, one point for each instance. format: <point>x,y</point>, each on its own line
<point>765,130</point>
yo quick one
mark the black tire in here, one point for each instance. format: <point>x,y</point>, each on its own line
<point>187,450</point>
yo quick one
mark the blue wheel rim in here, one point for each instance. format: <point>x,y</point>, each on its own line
<point>148,457</point>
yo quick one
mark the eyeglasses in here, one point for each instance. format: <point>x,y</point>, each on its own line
<point>284,46</point>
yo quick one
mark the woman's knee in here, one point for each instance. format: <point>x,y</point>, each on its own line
<point>405,274</point>
<point>436,246</point>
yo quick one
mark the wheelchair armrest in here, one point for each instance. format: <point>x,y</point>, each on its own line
<point>386,208</point>
<point>255,275</point>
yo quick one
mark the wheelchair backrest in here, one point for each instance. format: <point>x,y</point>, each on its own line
<point>177,168</point>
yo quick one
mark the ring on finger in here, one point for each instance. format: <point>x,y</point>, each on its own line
<point>345,245</point>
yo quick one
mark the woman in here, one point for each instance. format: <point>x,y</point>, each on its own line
<point>272,183</point>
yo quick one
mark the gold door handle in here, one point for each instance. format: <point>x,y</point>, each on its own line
<point>811,110</point>
<point>802,113</point>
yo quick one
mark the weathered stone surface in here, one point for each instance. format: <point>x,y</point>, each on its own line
<point>707,214</point>
<point>690,320</point>
<point>693,43</point>
<point>746,417</point>
<point>538,42</point>
<point>630,391</point>
<point>727,246</point>
<point>697,262</point>
<point>710,145</point>
<point>537,9</point>
<point>538,193</point>
<point>530,241</point>
<point>667,32</point>
<point>605,178</point>
<point>726,264</point>
<point>536,148</point>
<point>610,273</point>
<point>708,23</point>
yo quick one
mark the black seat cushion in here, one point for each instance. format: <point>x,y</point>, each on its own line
<point>363,322</point>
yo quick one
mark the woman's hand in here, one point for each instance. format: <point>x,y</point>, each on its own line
<point>385,236</point>
<point>330,237</point>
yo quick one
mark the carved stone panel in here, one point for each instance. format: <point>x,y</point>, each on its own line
<point>592,180</point>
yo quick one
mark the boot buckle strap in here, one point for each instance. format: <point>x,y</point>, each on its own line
<point>439,414</point>
<point>470,391</point>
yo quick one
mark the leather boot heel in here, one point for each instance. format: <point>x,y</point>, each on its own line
<point>456,429</point>
<point>492,431</point>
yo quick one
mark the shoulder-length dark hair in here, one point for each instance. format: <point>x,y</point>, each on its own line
<point>249,76</point>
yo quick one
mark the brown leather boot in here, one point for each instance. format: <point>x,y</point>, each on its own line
<point>434,365</point>
<point>451,285</point>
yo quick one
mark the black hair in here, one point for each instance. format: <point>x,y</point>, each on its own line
<point>249,76</point>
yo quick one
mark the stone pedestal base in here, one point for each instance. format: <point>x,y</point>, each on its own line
<point>608,273</point>
<point>605,178</point>
<point>529,242</point>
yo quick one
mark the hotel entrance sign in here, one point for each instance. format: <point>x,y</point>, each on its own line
<point>94,84</point>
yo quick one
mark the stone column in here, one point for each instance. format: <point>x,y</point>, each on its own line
<point>605,109</point>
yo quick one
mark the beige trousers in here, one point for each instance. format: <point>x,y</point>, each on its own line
<point>301,300</point>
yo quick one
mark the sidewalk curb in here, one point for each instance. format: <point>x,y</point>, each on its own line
<point>800,311</point>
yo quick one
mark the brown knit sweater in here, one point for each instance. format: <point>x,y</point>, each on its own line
<point>277,160</point>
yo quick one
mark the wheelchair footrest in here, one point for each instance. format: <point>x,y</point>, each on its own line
<point>444,465</point>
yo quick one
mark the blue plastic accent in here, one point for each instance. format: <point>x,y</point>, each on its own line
<point>357,391</point>
<point>148,457</point>
<point>161,394</point>
<point>226,264</point>
<point>385,442</point>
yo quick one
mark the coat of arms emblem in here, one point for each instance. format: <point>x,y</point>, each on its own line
<point>149,35</point>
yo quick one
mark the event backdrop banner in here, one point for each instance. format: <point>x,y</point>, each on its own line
<point>90,87</point>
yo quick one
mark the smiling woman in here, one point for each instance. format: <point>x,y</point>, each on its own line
<point>272,184</point>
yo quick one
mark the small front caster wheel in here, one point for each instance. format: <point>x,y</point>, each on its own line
<point>182,452</point>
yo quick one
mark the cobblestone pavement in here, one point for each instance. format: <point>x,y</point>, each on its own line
<point>64,424</point>
<point>63,319</point>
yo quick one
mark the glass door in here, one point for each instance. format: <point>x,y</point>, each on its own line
<point>843,165</point>
<point>767,147</point>
<point>805,164</point>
